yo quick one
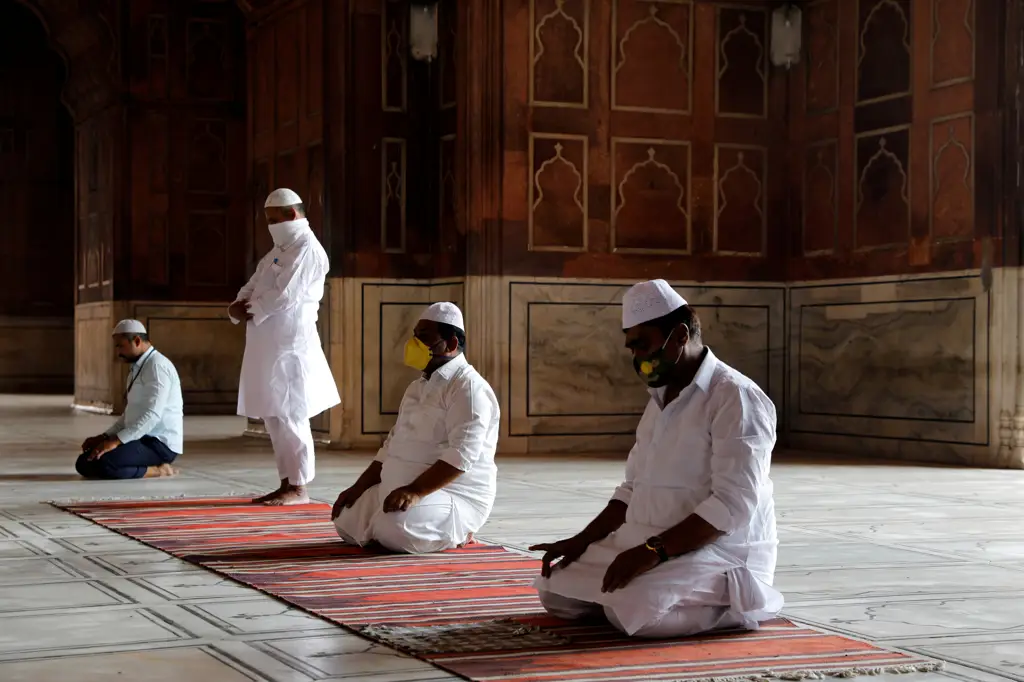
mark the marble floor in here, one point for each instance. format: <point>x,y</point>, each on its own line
<point>925,559</point>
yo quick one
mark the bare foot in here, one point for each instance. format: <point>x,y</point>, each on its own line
<point>292,495</point>
<point>162,471</point>
<point>470,540</point>
<point>264,498</point>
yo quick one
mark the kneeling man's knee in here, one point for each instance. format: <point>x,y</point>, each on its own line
<point>84,467</point>
<point>393,532</point>
<point>343,525</point>
<point>565,607</point>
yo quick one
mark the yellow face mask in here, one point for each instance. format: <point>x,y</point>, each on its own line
<point>417,355</point>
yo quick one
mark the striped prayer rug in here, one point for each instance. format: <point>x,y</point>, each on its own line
<point>470,611</point>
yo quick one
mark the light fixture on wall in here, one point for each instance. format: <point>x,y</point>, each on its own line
<point>787,34</point>
<point>423,30</point>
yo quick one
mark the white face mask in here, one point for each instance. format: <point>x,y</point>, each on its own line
<point>287,232</point>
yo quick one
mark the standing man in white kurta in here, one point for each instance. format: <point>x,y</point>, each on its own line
<point>285,376</point>
<point>432,484</point>
<point>687,543</point>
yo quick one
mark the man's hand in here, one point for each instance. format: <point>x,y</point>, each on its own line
<point>346,499</point>
<point>92,441</point>
<point>627,566</point>
<point>104,446</point>
<point>400,500</point>
<point>568,550</point>
<point>240,311</point>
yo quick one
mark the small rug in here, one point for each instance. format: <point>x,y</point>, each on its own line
<point>469,611</point>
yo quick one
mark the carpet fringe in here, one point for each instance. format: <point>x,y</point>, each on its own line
<point>845,673</point>
<point>135,498</point>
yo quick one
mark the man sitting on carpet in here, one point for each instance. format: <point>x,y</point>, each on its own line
<point>687,543</point>
<point>432,484</point>
<point>143,441</point>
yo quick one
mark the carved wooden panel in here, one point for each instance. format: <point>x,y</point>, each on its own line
<point>883,49</point>
<point>652,56</point>
<point>559,53</point>
<point>157,56</point>
<point>207,169</point>
<point>741,63</point>
<point>447,52</point>
<point>629,184</point>
<point>900,143</point>
<point>151,251</point>
<point>447,218</point>
<point>313,193</point>
<point>262,59</point>
<point>820,219</point>
<point>207,248</point>
<point>651,200</point>
<point>882,206</point>
<point>184,142</point>
<point>394,30</point>
<point>393,194</point>
<point>260,241</point>
<point>952,178</point>
<point>741,213</point>
<point>287,70</point>
<point>952,44</point>
<point>822,71</point>
<point>558,201</point>
<point>286,149</point>
<point>208,61</point>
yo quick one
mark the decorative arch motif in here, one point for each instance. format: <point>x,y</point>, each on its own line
<point>84,37</point>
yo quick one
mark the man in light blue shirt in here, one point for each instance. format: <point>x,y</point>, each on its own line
<point>147,438</point>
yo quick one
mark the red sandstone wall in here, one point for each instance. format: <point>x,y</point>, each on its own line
<point>649,138</point>
<point>643,138</point>
<point>896,139</point>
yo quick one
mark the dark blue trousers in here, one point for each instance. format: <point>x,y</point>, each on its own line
<point>126,461</point>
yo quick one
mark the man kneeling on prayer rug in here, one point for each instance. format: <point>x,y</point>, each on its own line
<point>687,543</point>
<point>432,484</point>
<point>148,437</point>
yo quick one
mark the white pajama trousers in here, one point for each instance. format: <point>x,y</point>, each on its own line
<point>293,448</point>
<point>438,522</point>
<point>682,621</point>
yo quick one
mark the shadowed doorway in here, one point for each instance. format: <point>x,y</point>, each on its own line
<point>36,211</point>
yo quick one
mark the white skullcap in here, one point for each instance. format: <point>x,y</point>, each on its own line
<point>280,198</point>
<point>129,327</point>
<point>648,301</point>
<point>445,313</point>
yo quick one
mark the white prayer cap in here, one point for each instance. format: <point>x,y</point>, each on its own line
<point>445,313</point>
<point>129,327</point>
<point>648,301</point>
<point>280,198</point>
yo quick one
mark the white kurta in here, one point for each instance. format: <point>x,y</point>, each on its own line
<point>284,370</point>
<point>453,417</point>
<point>706,453</point>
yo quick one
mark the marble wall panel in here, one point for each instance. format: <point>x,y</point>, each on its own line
<point>389,311</point>
<point>197,336</point>
<point>899,359</point>
<point>205,347</point>
<point>94,369</point>
<point>37,354</point>
<point>570,382</point>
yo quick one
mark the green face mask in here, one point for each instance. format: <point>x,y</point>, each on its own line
<point>655,368</point>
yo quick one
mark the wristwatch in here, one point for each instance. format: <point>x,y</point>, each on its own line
<point>656,545</point>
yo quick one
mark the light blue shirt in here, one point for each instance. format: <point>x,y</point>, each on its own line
<point>154,405</point>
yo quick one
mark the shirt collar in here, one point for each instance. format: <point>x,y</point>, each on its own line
<point>448,369</point>
<point>706,370</point>
<point>144,356</point>
<point>702,379</point>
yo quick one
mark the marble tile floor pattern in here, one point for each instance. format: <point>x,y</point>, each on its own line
<point>920,558</point>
